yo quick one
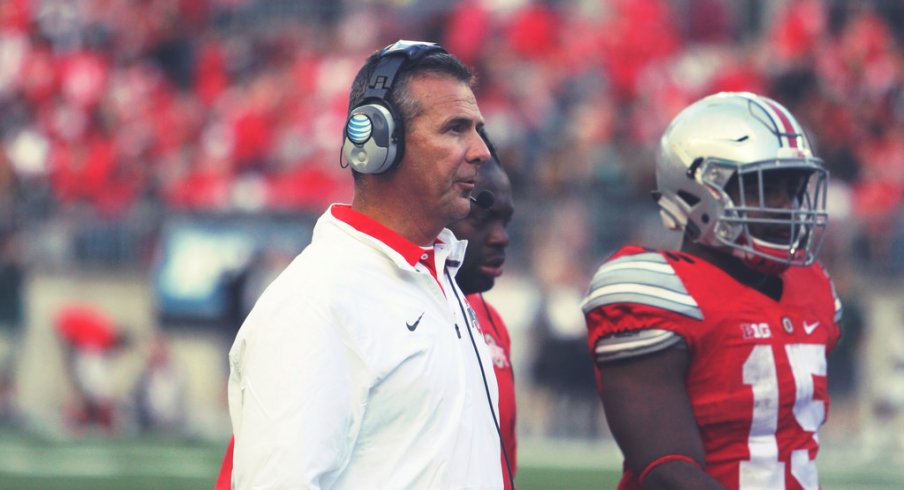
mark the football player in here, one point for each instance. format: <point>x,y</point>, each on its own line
<point>711,359</point>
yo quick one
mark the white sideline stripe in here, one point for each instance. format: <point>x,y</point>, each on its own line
<point>656,292</point>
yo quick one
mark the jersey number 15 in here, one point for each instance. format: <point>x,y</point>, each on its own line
<point>763,469</point>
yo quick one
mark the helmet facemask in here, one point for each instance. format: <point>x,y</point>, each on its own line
<point>735,172</point>
<point>773,213</point>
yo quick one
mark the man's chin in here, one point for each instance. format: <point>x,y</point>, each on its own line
<point>460,209</point>
<point>479,284</point>
<point>491,272</point>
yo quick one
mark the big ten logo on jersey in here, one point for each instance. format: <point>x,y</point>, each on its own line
<point>756,331</point>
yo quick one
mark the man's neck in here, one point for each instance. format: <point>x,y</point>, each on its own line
<point>400,218</point>
<point>767,284</point>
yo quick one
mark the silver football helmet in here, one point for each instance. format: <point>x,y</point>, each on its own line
<point>719,164</point>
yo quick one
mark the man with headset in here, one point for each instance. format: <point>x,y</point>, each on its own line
<point>485,229</point>
<point>362,365</point>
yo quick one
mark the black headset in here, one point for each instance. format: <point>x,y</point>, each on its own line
<point>374,134</point>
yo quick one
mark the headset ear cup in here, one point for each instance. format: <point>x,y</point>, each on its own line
<point>370,144</point>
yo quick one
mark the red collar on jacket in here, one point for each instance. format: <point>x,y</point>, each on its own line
<point>369,226</point>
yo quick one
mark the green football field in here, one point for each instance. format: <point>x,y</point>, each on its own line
<point>96,463</point>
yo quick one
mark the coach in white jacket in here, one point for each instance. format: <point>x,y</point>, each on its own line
<point>361,365</point>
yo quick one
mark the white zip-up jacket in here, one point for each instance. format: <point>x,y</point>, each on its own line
<point>356,370</point>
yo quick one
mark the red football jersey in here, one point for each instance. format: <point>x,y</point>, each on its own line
<point>757,373</point>
<point>497,338</point>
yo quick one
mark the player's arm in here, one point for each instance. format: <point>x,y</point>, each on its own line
<point>649,413</point>
<point>642,363</point>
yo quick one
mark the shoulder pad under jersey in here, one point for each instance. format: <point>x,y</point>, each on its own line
<point>634,343</point>
<point>645,278</point>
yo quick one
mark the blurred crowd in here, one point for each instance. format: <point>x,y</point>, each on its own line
<point>224,105</point>
<point>120,113</point>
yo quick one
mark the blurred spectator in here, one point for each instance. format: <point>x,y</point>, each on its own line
<point>562,369</point>
<point>12,313</point>
<point>160,392</point>
<point>91,339</point>
<point>843,370</point>
<point>188,105</point>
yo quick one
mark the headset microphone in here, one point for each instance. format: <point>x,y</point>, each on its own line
<point>484,199</point>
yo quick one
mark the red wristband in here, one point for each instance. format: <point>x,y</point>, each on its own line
<point>665,459</point>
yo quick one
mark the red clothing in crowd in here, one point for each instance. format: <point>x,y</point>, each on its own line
<point>86,328</point>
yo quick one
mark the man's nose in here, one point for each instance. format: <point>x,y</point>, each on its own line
<point>499,236</point>
<point>478,152</point>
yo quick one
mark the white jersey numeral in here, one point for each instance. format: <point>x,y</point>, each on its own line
<point>764,470</point>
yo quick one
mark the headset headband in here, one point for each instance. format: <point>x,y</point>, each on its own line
<point>392,58</point>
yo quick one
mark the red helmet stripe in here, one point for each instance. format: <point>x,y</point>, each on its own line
<point>789,131</point>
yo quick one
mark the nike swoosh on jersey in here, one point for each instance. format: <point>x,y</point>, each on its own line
<point>412,326</point>
<point>646,279</point>
<point>810,327</point>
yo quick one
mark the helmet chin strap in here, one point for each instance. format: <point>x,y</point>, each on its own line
<point>764,265</point>
<point>776,263</point>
